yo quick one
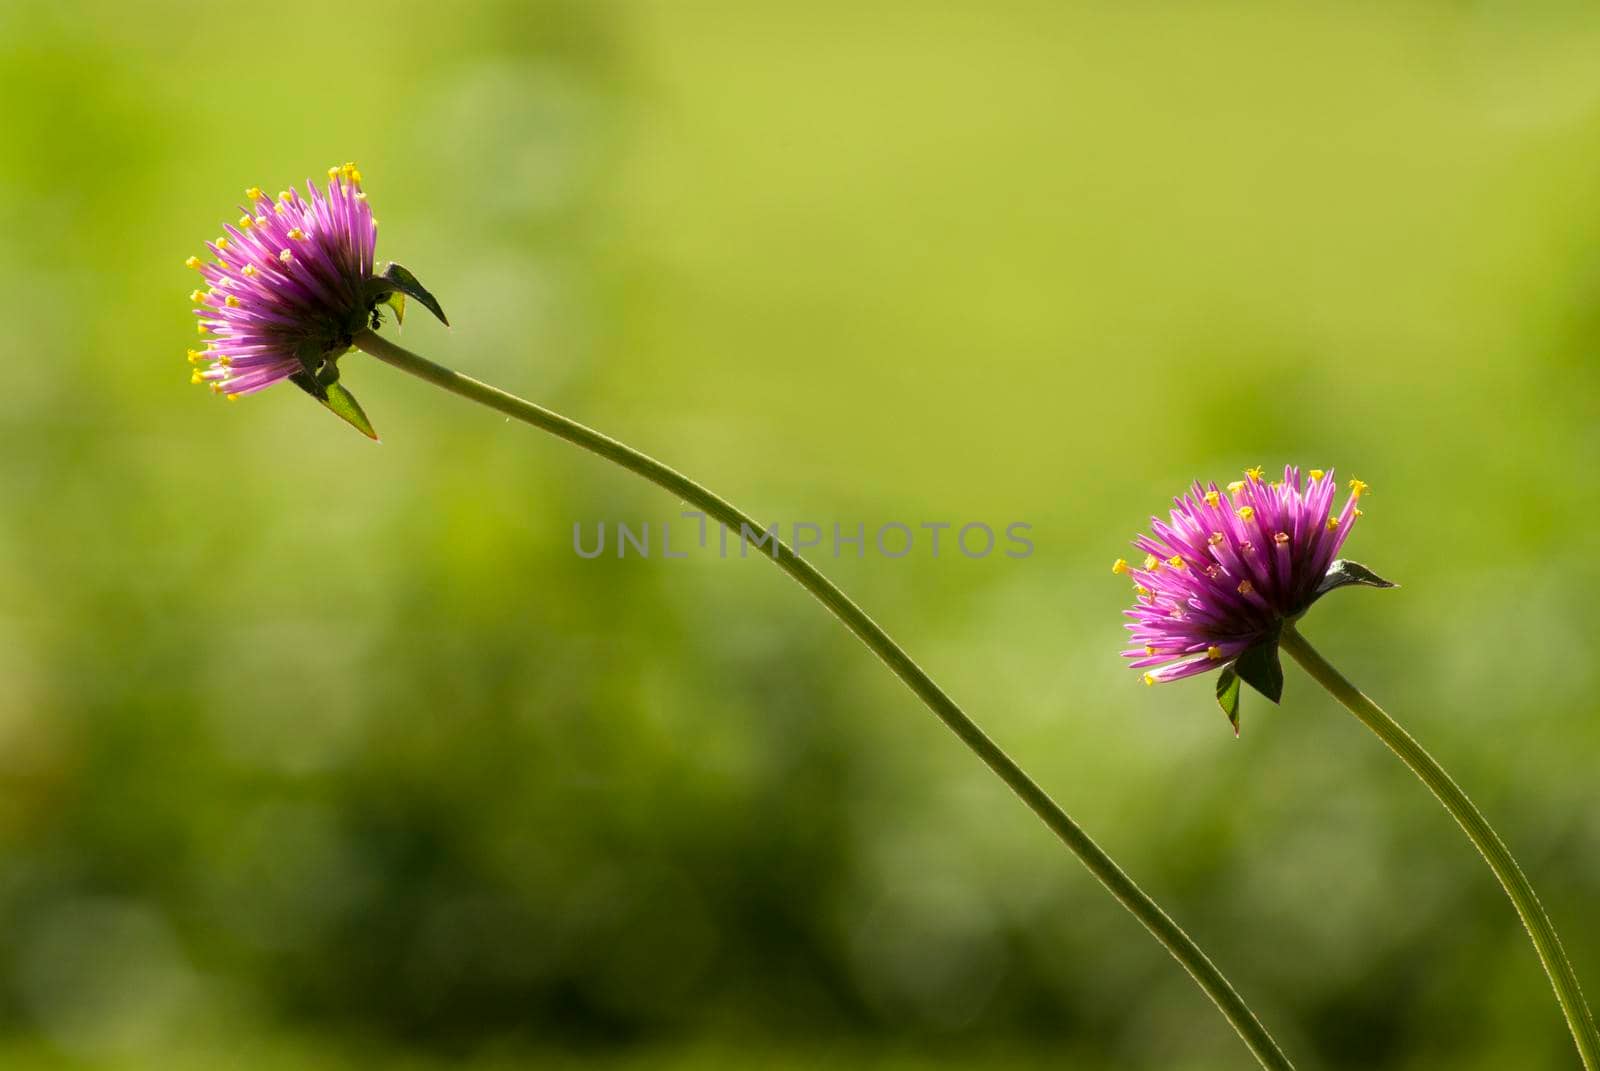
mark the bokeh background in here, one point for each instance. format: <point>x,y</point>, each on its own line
<point>320,754</point>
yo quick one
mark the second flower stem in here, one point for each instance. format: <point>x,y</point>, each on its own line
<point>1488,843</point>
<point>1101,865</point>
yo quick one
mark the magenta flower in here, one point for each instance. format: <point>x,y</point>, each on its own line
<point>1231,565</point>
<point>293,283</point>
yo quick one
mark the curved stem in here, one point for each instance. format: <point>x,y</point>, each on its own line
<point>1178,943</point>
<point>1472,822</point>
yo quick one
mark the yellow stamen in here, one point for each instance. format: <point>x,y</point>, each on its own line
<point>1333,522</point>
<point>221,243</point>
<point>245,223</point>
<point>194,377</point>
<point>248,271</point>
<point>1149,678</point>
<point>285,197</point>
<point>1254,474</point>
<point>286,256</point>
<point>194,356</point>
<point>1213,653</point>
<point>1357,488</point>
<point>1235,487</point>
<point>1140,589</point>
<point>231,301</point>
<point>224,360</point>
<point>1149,649</point>
<point>297,234</point>
<point>1245,587</point>
<point>1120,566</point>
<point>333,172</point>
<point>1358,513</point>
<point>254,193</point>
<point>1212,498</point>
<point>201,329</point>
<point>1215,538</point>
<point>360,196</point>
<point>1316,474</point>
<point>1150,562</point>
<point>197,296</point>
<point>233,397</point>
<point>192,262</point>
<point>1246,512</point>
<point>279,209</point>
<point>1176,561</point>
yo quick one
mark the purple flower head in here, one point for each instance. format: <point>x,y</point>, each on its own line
<point>294,282</point>
<point>1231,565</point>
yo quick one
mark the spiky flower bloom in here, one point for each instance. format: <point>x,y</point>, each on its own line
<point>1231,565</point>
<point>289,287</point>
<point>293,283</point>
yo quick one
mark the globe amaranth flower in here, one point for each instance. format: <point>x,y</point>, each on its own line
<point>1231,566</point>
<point>292,284</point>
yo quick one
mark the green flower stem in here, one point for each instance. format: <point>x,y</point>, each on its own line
<point>1478,831</point>
<point>1178,943</point>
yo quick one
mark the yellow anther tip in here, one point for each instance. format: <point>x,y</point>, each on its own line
<point>245,223</point>
<point>231,301</point>
<point>286,256</point>
<point>1213,653</point>
<point>201,329</point>
<point>253,193</point>
<point>221,243</point>
<point>1150,649</point>
<point>1333,522</point>
<point>1212,498</point>
<point>192,262</point>
<point>1140,589</point>
<point>1358,488</point>
<point>197,296</point>
<point>248,271</point>
<point>233,397</point>
<point>1246,512</point>
<point>1176,561</point>
<point>1245,587</point>
<point>1120,566</point>
<point>297,234</point>
<point>1235,487</point>
<point>333,172</point>
<point>1150,561</point>
<point>1316,474</point>
<point>1254,474</point>
<point>1149,678</point>
<point>194,377</point>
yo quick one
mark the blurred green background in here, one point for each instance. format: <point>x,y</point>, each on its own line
<point>315,753</point>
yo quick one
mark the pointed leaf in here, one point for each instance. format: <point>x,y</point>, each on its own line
<point>343,404</point>
<point>1228,696</point>
<point>397,278</point>
<point>1343,572</point>
<point>1259,668</point>
<point>397,302</point>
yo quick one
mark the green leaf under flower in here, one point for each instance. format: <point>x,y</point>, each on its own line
<point>1260,669</point>
<point>1228,696</point>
